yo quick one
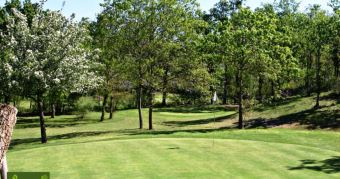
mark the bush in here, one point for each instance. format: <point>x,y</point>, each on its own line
<point>125,101</point>
<point>84,105</point>
<point>25,106</point>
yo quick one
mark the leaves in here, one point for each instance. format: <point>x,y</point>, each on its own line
<point>48,56</point>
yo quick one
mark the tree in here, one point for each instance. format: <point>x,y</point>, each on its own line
<point>8,84</point>
<point>286,7</point>
<point>251,39</point>
<point>217,48</point>
<point>107,41</point>
<point>242,33</point>
<point>335,40</point>
<point>49,55</point>
<point>320,36</point>
<point>152,31</point>
<point>335,5</point>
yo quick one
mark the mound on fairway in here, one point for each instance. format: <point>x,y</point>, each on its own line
<point>179,158</point>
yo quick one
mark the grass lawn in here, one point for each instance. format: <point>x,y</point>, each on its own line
<point>176,158</point>
<point>186,143</point>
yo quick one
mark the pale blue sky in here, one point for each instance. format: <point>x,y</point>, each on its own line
<point>89,8</point>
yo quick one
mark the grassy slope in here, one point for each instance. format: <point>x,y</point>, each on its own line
<point>77,145</point>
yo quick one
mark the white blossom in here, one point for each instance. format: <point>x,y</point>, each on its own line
<point>48,55</point>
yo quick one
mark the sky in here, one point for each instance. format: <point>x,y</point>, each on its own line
<point>89,8</point>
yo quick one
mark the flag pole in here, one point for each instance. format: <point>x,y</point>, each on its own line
<point>214,124</point>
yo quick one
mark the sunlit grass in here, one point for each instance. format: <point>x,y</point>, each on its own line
<point>188,142</point>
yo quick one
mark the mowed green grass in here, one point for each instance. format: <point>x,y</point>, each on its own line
<point>187,142</point>
<point>178,158</point>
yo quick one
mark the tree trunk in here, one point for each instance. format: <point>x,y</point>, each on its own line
<point>240,99</point>
<point>308,81</point>
<point>111,107</point>
<point>4,168</point>
<point>337,73</point>
<point>318,78</point>
<point>260,89</point>
<point>225,85</point>
<point>165,85</point>
<point>336,68</point>
<point>236,92</point>
<point>164,98</point>
<point>150,110</point>
<point>62,110</point>
<point>212,95</point>
<point>103,107</point>
<point>336,60</point>
<point>58,108</point>
<point>139,103</point>
<point>53,111</point>
<point>273,89</point>
<point>7,99</point>
<point>42,120</point>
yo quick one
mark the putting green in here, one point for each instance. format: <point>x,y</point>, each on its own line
<point>178,158</point>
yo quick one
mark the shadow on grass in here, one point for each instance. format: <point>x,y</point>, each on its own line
<point>281,102</point>
<point>312,118</point>
<point>199,121</point>
<point>174,148</point>
<point>196,109</point>
<point>52,123</point>
<point>128,132</point>
<point>328,166</point>
<point>332,96</point>
<point>16,142</point>
<point>168,132</point>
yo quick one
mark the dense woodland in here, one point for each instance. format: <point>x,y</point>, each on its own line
<point>136,50</point>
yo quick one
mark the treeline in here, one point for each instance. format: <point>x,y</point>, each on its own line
<point>169,47</point>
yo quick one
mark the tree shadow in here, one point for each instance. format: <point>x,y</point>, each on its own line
<point>312,118</point>
<point>16,142</point>
<point>282,102</point>
<point>168,132</point>
<point>331,96</point>
<point>269,123</point>
<point>52,123</point>
<point>328,166</point>
<point>199,121</point>
<point>195,109</point>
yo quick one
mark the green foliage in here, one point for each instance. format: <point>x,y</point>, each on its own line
<point>85,105</point>
<point>247,56</point>
<point>123,101</point>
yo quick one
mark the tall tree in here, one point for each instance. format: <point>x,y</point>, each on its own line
<point>8,84</point>
<point>152,32</point>
<point>241,32</point>
<point>286,7</point>
<point>335,40</point>
<point>48,54</point>
<point>251,35</point>
<point>320,36</point>
<point>107,41</point>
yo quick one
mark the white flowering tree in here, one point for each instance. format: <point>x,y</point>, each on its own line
<point>8,60</point>
<point>49,57</point>
<point>7,83</point>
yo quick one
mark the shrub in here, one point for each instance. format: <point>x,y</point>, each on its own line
<point>84,105</point>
